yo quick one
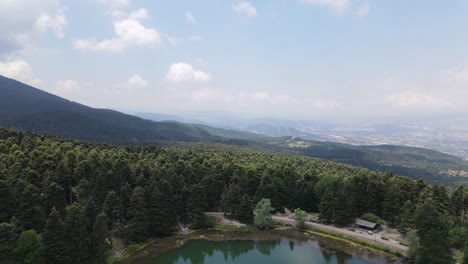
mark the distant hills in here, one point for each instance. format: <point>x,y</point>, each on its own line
<point>29,109</point>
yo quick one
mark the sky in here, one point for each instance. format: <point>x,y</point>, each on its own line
<point>277,58</point>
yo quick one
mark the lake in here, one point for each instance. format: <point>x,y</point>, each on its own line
<point>272,252</point>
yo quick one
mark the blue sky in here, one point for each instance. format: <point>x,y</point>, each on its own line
<point>283,58</point>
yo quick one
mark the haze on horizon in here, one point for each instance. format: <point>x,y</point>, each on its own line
<point>283,58</point>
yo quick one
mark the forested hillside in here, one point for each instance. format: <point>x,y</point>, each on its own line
<point>29,109</point>
<point>62,201</point>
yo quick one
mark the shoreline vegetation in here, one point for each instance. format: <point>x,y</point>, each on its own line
<point>329,241</point>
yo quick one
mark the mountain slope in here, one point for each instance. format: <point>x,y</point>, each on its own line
<point>29,109</point>
<point>26,108</point>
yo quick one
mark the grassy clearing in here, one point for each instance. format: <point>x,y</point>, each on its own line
<point>355,241</point>
<point>237,228</point>
<point>129,250</point>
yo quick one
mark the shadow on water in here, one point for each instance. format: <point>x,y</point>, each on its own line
<point>274,252</point>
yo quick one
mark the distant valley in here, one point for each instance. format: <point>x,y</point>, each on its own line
<point>26,108</point>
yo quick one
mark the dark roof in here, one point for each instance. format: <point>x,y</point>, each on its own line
<point>365,223</point>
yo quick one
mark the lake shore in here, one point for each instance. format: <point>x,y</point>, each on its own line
<point>328,244</point>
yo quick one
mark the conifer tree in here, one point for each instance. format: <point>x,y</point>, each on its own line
<point>245,213</point>
<point>161,212</point>
<point>7,242</point>
<point>78,239</point>
<point>138,225</point>
<point>31,215</point>
<point>54,239</point>
<point>100,243</point>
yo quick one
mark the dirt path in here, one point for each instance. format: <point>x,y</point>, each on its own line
<point>376,239</point>
<point>224,220</point>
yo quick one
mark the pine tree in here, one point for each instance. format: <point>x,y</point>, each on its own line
<point>112,209</point>
<point>77,237</point>
<point>100,243</point>
<point>29,248</point>
<point>7,242</point>
<point>245,213</point>
<point>54,239</point>
<point>31,215</point>
<point>55,196</point>
<point>406,219</point>
<point>138,224</point>
<point>196,206</point>
<point>433,231</point>
<point>161,214</point>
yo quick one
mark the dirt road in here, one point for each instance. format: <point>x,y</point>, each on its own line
<point>375,238</point>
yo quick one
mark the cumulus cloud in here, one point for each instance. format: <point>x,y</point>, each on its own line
<point>245,8</point>
<point>184,72</point>
<point>57,23</point>
<point>190,18</point>
<point>22,21</point>
<point>19,70</point>
<point>67,86</point>
<point>341,6</point>
<point>137,81</point>
<point>128,32</point>
<point>412,99</point>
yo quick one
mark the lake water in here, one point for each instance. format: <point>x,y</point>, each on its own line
<point>284,251</point>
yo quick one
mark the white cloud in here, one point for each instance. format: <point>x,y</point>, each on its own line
<point>457,75</point>
<point>412,99</point>
<point>128,32</point>
<point>139,14</point>
<point>67,86</point>
<point>245,8</point>
<point>56,23</point>
<point>22,21</point>
<point>190,18</point>
<point>341,6</point>
<point>137,81</point>
<point>19,70</point>
<point>184,72</point>
<point>363,10</point>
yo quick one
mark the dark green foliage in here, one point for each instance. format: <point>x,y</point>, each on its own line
<point>245,213</point>
<point>31,214</point>
<point>146,190</point>
<point>7,201</point>
<point>77,237</point>
<point>7,243</point>
<point>55,243</point>
<point>100,241</point>
<point>112,209</point>
<point>197,206</point>
<point>28,249</point>
<point>465,255</point>
<point>161,212</point>
<point>138,225</point>
<point>406,219</point>
<point>55,197</point>
<point>432,229</point>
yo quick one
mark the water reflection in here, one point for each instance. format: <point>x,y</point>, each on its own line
<point>284,251</point>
